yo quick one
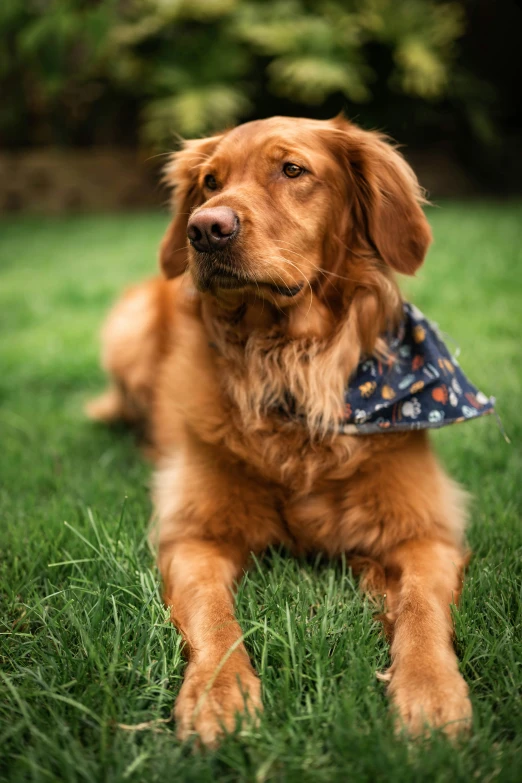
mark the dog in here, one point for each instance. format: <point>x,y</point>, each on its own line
<point>278,288</point>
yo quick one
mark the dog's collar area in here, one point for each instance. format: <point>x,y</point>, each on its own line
<point>421,386</point>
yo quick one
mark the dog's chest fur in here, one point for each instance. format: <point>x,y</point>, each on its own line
<point>271,402</point>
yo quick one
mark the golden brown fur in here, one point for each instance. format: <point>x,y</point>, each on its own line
<point>241,389</point>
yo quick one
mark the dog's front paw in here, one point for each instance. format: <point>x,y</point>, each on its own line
<point>211,699</point>
<point>423,699</point>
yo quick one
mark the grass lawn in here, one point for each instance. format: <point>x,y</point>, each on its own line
<point>85,644</point>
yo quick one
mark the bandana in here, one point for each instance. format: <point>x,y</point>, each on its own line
<point>420,386</point>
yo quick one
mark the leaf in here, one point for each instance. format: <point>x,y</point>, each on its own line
<point>312,79</point>
<point>194,111</point>
<point>423,73</point>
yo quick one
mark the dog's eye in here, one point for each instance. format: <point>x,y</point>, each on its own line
<point>292,170</point>
<point>210,182</point>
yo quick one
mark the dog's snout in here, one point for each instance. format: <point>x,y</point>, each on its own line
<point>211,229</point>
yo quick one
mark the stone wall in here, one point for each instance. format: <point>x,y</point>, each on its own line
<point>52,181</point>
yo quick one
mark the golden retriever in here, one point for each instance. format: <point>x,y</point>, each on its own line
<point>279,279</point>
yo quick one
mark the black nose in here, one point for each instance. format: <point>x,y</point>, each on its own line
<point>211,229</point>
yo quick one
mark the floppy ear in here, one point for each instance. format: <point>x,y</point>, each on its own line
<point>181,173</point>
<point>387,199</point>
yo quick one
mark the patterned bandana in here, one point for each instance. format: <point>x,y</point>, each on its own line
<point>420,386</point>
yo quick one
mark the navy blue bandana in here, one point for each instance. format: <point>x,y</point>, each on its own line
<point>420,386</point>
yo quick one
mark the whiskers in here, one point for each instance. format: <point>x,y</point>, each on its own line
<point>158,155</point>
<point>316,268</point>
<point>280,257</point>
<point>183,247</point>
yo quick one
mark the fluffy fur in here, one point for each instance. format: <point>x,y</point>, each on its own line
<point>241,388</point>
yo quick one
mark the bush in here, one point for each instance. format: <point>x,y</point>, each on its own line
<point>88,71</point>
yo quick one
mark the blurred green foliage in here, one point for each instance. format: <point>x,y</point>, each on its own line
<point>88,71</point>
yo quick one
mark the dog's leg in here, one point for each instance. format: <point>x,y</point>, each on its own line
<point>198,578</point>
<point>131,353</point>
<point>111,406</point>
<point>426,688</point>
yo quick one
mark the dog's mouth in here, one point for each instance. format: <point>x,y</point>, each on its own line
<point>214,277</point>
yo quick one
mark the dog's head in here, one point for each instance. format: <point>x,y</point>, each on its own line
<point>281,206</point>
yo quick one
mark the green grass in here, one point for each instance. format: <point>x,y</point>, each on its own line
<point>85,644</point>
